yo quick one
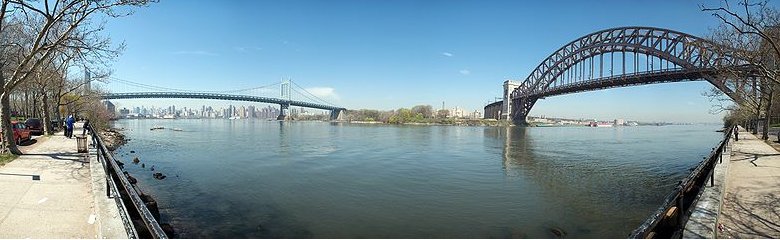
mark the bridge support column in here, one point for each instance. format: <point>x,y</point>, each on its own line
<point>521,107</point>
<point>283,112</point>
<point>335,114</point>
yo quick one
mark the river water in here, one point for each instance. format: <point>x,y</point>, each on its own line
<point>269,179</point>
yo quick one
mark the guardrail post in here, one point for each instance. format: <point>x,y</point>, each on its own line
<point>680,202</point>
<point>108,178</point>
<point>712,177</point>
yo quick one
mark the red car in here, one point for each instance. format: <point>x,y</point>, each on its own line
<point>21,132</point>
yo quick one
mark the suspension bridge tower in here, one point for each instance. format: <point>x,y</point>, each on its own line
<point>285,94</point>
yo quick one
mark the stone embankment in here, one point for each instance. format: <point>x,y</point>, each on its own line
<point>113,138</point>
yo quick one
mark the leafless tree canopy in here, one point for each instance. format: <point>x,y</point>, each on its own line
<point>42,44</point>
<point>749,29</point>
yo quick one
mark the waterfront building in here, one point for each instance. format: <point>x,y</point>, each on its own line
<point>456,112</point>
<point>110,107</point>
<point>502,109</point>
<point>250,111</point>
<point>620,122</point>
<point>475,115</point>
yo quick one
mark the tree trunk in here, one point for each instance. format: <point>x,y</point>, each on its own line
<point>26,104</point>
<point>58,113</point>
<point>35,103</point>
<point>47,129</point>
<point>8,144</point>
<point>767,116</point>
<point>754,123</point>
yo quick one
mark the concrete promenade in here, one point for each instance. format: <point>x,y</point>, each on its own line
<point>54,192</point>
<point>751,203</point>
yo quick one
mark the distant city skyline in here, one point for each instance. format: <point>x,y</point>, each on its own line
<point>390,55</point>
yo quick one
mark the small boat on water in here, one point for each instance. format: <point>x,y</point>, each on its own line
<point>178,129</point>
<point>601,124</point>
<point>156,128</point>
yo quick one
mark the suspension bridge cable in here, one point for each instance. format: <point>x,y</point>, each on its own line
<point>321,100</point>
<point>302,95</point>
<point>152,87</point>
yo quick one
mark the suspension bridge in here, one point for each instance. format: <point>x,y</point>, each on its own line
<point>621,57</point>
<point>289,94</point>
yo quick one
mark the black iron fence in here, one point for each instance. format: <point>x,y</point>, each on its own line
<point>669,220</point>
<point>138,220</point>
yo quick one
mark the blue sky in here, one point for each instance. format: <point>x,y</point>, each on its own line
<point>392,54</point>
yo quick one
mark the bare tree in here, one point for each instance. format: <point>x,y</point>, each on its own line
<point>50,26</point>
<point>750,31</point>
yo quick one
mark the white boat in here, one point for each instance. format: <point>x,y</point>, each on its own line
<point>601,124</point>
<point>234,118</point>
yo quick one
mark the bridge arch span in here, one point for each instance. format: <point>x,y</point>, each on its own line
<point>624,56</point>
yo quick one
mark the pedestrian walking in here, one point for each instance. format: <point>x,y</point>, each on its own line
<point>69,126</point>
<point>736,133</point>
<point>86,126</point>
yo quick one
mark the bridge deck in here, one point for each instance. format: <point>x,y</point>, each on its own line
<point>219,96</point>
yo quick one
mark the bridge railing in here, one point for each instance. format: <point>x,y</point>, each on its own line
<point>138,220</point>
<point>670,219</point>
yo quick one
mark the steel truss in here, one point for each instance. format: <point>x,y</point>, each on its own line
<point>626,56</point>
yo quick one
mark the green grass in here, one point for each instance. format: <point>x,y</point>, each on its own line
<point>6,158</point>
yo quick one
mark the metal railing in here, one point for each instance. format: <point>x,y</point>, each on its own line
<point>669,220</point>
<point>131,206</point>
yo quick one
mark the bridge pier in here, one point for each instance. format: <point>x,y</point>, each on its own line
<point>521,107</point>
<point>283,111</point>
<point>335,114</point>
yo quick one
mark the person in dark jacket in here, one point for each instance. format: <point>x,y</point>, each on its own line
<point>86,126</point>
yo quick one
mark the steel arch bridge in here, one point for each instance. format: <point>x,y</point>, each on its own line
<point>284,103</point>
<point>625,56</point>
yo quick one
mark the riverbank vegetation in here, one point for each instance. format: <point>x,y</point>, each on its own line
<point>51,51</point>
<point>420,114</point>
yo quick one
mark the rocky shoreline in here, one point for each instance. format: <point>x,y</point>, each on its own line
<point>113,139</point>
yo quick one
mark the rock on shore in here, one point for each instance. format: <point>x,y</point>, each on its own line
<point>113,138</point>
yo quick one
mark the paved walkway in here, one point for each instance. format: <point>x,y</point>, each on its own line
<point>48,193</point>
<point>751,205</point>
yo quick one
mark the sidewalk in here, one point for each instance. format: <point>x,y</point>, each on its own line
<point>751,204</point>
<point>48,193</point>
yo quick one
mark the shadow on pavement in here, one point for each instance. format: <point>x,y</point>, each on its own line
<point>28,143</point>
<point>752,218</point>
<point>753,157</point>
<point>63,156</point>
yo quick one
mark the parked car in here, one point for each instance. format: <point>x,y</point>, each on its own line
<point>35,125</point>
<point>21,132</point>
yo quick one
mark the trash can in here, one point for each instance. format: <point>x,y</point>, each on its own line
<point>81,143</point>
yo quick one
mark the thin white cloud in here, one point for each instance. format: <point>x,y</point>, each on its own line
<point>465,72</point>
<point>447,54</point>
<point>197,52</point>
<point>326,93</point>
<point>247,49</point>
